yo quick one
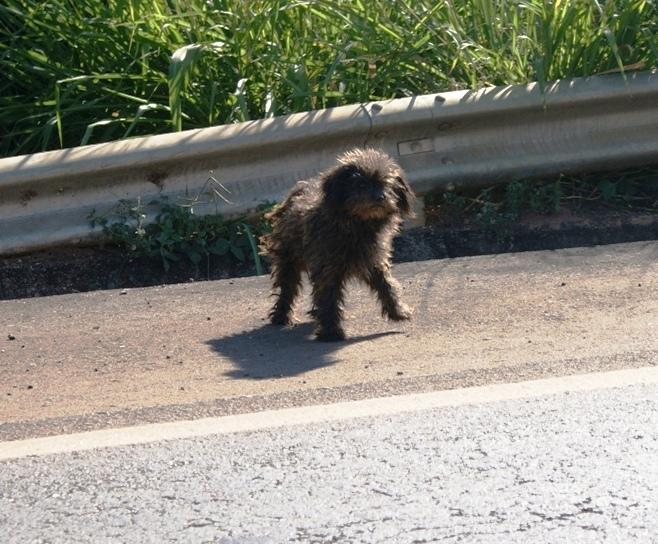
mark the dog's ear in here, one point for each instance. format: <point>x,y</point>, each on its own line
<point>334,184</point>
<point>405,196</point>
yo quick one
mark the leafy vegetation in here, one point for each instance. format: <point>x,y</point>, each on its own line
<point>176,233</point>
<point>85,71</point>
<point>496,209</point>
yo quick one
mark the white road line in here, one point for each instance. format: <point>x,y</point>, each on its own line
<point>141,434</point>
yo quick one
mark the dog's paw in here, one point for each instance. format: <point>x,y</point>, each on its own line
<point>281,320</point>
<point>401,313</point>
<point>329,335</point>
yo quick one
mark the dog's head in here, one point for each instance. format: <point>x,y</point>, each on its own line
<point>368,184</point>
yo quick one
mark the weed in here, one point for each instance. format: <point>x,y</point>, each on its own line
<point>176,233</point>
<point>496,209</point>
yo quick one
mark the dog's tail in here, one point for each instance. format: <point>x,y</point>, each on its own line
<point>282,208</point>
<point>268,242</point>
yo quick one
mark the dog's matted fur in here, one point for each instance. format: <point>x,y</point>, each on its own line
<point>338,226</point>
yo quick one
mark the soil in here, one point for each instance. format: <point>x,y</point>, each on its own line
<point>78,269</point>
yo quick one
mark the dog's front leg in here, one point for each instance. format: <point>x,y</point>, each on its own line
<point>383,283</point>
<point>328,304</point>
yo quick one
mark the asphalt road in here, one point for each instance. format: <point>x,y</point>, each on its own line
<point>575,466</point>
<point>518,405</point>
<point>114,358</point>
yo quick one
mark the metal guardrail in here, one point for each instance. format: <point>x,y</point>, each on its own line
<point>448,139</point>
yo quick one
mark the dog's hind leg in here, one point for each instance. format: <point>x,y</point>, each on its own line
<point>287,277</point>
<point>384,285</point>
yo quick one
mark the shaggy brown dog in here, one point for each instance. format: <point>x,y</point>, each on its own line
<point>336,227</point>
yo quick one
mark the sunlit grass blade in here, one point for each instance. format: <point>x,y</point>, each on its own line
<point>254,249</point>
<point>180,66</point>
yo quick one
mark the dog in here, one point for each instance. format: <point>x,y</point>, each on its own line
<point>335,227</point>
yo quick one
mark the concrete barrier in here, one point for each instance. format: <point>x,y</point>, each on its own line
<point>449,139</point>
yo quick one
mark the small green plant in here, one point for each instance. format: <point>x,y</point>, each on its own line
<point>635,189</point>
<point>498,206</point>
<point>176,234</point>
<point>495,209</point>
<point>494,221</point>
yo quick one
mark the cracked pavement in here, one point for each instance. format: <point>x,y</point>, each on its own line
<point>575,466</point>
<point>569,467</point>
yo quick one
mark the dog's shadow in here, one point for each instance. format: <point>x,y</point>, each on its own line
<point>275,352</point>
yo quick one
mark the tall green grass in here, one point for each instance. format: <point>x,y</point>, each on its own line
<point>84,71</point>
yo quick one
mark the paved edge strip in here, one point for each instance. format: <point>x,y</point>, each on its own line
<point>387,387</point>
<point>268,419</point>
